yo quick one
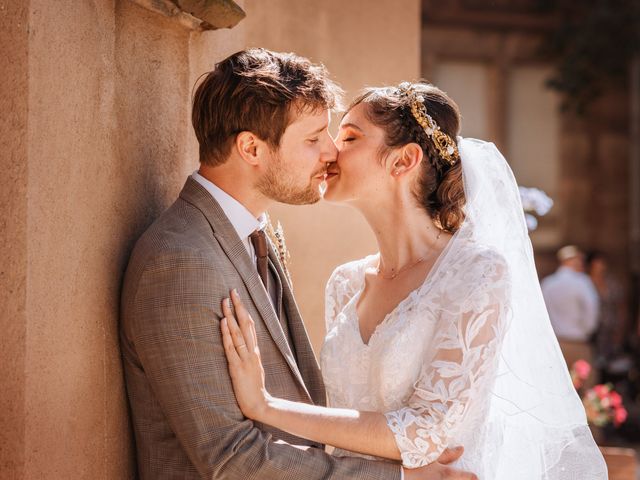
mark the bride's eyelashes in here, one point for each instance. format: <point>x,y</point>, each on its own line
<point>348,136</point>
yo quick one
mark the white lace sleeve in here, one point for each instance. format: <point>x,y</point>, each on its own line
<point>459,370</point>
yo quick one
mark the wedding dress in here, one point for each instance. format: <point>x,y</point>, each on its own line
<point>469,357</point>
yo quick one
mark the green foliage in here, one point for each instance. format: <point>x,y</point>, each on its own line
<point>592,48</point>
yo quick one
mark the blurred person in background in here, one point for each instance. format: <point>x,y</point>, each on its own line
<point>573,305</point>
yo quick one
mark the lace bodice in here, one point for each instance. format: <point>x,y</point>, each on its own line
<point>430,364</point>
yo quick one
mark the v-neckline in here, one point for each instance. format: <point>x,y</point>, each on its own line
<point>356,298</point>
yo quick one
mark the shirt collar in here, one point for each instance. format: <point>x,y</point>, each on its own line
<point>242,220</point>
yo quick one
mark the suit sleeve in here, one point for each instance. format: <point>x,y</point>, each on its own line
<point>176,335</point>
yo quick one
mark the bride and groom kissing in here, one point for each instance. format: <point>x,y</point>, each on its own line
<point>439,341</point>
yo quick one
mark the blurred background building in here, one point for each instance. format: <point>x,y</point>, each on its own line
<point>96,140</point>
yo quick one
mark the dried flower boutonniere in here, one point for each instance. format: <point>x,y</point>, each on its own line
<point>277,238</point>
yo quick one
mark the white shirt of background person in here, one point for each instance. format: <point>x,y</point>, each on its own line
<point>571,298</point>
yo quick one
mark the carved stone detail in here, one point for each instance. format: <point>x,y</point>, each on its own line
<point>197,14</point>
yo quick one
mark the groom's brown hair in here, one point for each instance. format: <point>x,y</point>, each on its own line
<point>256,90</point>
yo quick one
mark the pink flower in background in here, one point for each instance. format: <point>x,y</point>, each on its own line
<point>601,391</point>
<point>582,368</point>
<point>580,371</point>
<point>602,404</point>
<point>575,372</point>
<point>615,399</point>
<point>620,416</point>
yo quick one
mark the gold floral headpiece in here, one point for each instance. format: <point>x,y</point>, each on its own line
<point>444,144</point>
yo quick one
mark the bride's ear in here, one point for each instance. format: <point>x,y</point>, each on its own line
<point>407,159</point>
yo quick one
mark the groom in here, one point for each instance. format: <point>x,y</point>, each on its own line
<point>261,121</point>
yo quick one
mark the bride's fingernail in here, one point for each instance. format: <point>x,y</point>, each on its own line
<point>228,300</point>
<point>235,292</point>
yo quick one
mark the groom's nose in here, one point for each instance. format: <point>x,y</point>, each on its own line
<point>329,152</point>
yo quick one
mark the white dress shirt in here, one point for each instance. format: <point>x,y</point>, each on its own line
<point>242,219</point>
<point>573,304</point>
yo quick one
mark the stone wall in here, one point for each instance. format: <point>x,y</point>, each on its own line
<point>96,143</point>
<point>13,235</point>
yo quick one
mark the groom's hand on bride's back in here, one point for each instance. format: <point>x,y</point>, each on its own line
<point>440,469</point>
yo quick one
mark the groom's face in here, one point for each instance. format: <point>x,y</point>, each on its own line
<point>294,172</point>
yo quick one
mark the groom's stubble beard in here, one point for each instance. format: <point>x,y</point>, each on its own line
<point>280,185</point>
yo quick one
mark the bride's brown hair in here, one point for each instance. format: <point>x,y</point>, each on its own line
<point>439,188</point>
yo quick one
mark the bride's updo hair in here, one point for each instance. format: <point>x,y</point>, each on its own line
<point>439,188</point>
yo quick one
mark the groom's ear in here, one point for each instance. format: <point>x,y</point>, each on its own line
<point>408,158</point>
<point>249,147</point>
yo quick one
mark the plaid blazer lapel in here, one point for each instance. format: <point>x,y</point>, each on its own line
<point>307,362</point>
<point>228,239</point>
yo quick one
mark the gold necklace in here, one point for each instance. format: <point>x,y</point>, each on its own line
<point>408,266</point>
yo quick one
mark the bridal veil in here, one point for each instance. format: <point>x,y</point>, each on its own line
<point>537,427</point>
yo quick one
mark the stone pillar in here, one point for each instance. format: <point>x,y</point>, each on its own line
<point>14,94</point>
<point>96,143</point>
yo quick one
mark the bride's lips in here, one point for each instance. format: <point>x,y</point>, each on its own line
<point>331,175</point>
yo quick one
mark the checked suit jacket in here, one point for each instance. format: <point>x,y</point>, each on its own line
<point>186,421</point>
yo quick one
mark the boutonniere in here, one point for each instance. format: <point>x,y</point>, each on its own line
<point>277,238</point>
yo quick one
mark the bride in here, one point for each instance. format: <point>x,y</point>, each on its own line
<point>442,338</point>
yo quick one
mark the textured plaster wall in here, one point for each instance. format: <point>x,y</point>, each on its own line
<point>77,218</point>
<point>96,142</point>
<point>13,233</point>
<point>73,404</point>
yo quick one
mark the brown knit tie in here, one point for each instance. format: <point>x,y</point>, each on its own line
<point>259,241</point>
